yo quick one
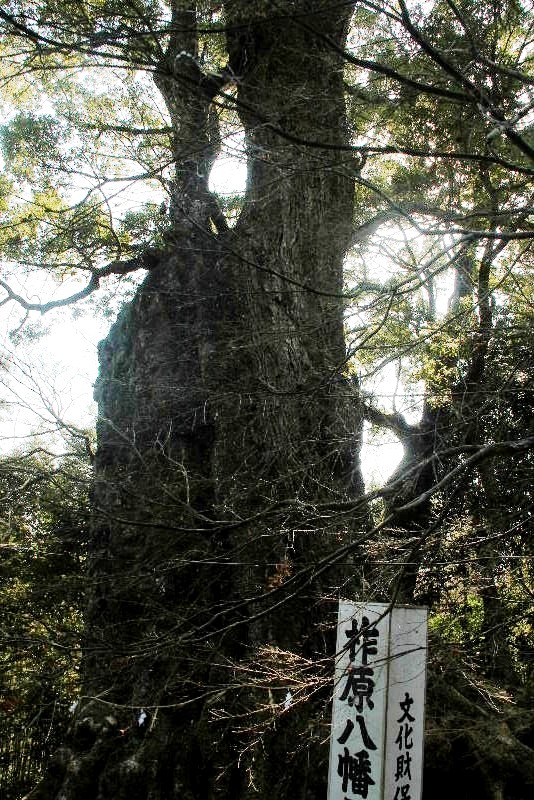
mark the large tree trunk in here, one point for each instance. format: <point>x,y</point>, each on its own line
<point>227,444</point>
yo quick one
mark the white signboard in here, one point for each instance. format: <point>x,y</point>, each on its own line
<point>378,705</point>
<point>406,704</point>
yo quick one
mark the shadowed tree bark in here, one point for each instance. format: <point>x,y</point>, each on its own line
<point>224,422</point>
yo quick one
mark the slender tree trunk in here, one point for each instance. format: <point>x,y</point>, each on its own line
<point>228,439</point>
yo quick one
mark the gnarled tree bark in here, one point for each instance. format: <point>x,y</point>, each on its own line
<point>224,424</point>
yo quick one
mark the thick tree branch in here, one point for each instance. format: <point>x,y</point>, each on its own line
<point>132,131</point>
<point>394,421</point>
<point>147,260</point>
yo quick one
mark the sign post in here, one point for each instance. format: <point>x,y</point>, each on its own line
<point>376,748</point>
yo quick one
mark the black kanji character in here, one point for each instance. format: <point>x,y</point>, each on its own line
<point>349,727</point>
<point>360,684</point>
<point>404,767</point>
<point>403,792</point>
<point>368,742</point>
<point>405,705</point>
<point>367,635</point>
<point>355,770</point>
<point>404,737</point>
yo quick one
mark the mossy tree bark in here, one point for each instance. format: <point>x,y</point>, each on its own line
<point>228,439</point>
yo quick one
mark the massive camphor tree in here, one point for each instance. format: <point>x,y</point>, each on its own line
<point>228,507</point>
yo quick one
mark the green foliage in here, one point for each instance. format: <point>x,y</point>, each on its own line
<point>41,544</point>
<point>143,227</point>
<point>461,621</point>
<point>30,144</point>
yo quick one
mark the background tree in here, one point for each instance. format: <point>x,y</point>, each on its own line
<point>475,230</point>
<point>43,536</point>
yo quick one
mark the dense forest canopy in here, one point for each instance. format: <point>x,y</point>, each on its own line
<point>169,579</point>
